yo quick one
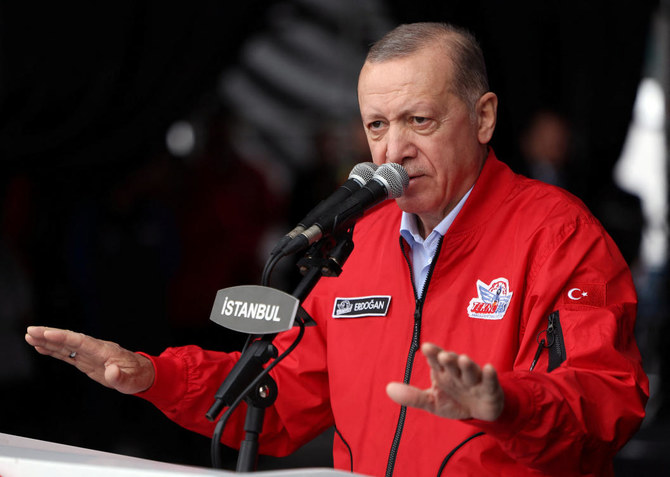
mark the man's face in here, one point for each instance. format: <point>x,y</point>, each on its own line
<point>412,117</point>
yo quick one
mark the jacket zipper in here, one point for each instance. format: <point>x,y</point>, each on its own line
<point>554,343</point>
<point>414,347</point>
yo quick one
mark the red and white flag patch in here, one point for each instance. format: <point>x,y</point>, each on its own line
<point>587,294</point>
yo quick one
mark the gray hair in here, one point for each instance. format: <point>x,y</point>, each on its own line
<point>470,77</point>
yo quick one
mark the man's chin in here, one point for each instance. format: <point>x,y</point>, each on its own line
<point>408,205</point>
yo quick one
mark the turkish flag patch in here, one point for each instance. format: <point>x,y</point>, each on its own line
<point>587,294</point>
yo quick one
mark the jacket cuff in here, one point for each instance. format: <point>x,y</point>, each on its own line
<point>518,409</point>
<point>165,390</point>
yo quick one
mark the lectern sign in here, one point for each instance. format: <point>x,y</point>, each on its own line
<point>254,309</point>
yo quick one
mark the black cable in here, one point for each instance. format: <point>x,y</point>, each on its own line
<point>248,341</point>
<point>269,267</point>
<point>270,264</point>
<point>221,423</point>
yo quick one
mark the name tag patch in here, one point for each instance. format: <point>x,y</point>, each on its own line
<point>354,307</point>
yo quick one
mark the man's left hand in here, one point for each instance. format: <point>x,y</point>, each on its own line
<point>461,389</point>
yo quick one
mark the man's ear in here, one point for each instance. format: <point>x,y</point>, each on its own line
<point>487,110</point>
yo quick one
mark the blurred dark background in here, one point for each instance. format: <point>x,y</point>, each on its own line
<point>152,152</point>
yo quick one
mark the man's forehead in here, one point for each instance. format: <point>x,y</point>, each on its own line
<point>428,64</point>
<point>404,77</point>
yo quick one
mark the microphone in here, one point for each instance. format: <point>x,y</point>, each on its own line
<point>388,182</point>
<point>358,177</point>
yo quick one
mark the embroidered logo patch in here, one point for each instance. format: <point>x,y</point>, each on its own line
<point>492,300</point>
<point>361,306</point>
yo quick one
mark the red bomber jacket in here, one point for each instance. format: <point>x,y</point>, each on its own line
<point>525,279</point>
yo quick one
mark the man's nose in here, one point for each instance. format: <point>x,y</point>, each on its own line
<point>399,145</point>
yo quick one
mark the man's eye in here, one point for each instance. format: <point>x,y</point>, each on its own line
<point>375,125</point>
<point>419,120</point>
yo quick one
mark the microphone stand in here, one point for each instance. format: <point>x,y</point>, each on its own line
<point>262,397</point>
<point>324,258</point>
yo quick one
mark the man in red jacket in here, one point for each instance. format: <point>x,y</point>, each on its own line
<point>520,302</point>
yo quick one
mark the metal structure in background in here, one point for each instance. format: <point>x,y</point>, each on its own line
<point>298,77</point>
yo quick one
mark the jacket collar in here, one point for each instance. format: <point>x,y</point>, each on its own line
<point>494,183</point>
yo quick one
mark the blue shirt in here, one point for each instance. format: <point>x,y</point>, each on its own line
<point>423,250</point>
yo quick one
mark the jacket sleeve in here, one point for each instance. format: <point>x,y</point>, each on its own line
<point>573,418</point>
<point>188,377</point>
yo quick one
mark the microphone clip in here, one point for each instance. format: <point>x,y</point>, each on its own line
<point>328,255</point>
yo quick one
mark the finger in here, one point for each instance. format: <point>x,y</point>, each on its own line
<point>430,349</point>
<point>438,358</point>
<point>407,395</point>
<point>493,392</point>
<point>64,338</point>
<point>58,354</point>
<point>33,341</point>
<point>35,335</point>
<point>448,361</point>
<point>430,352</point>
<point>471,373</point>
<point>117,379</point>
<point>35,331</point>
<point>44,351</point>
<point>86,347</point>
<point>113,375</point>
<point>130,380</point>
<point>490,381</point>
<point>51,338</point>
<point>61,343</point>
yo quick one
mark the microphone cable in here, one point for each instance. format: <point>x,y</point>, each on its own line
<point>270,264</point>
<point>221,423</point>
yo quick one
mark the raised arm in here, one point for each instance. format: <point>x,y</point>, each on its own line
<point>103,361</point>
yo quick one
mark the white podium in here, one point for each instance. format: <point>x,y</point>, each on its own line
<point>23,457</point>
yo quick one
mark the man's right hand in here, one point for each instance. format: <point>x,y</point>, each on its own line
<point>103,361</point>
